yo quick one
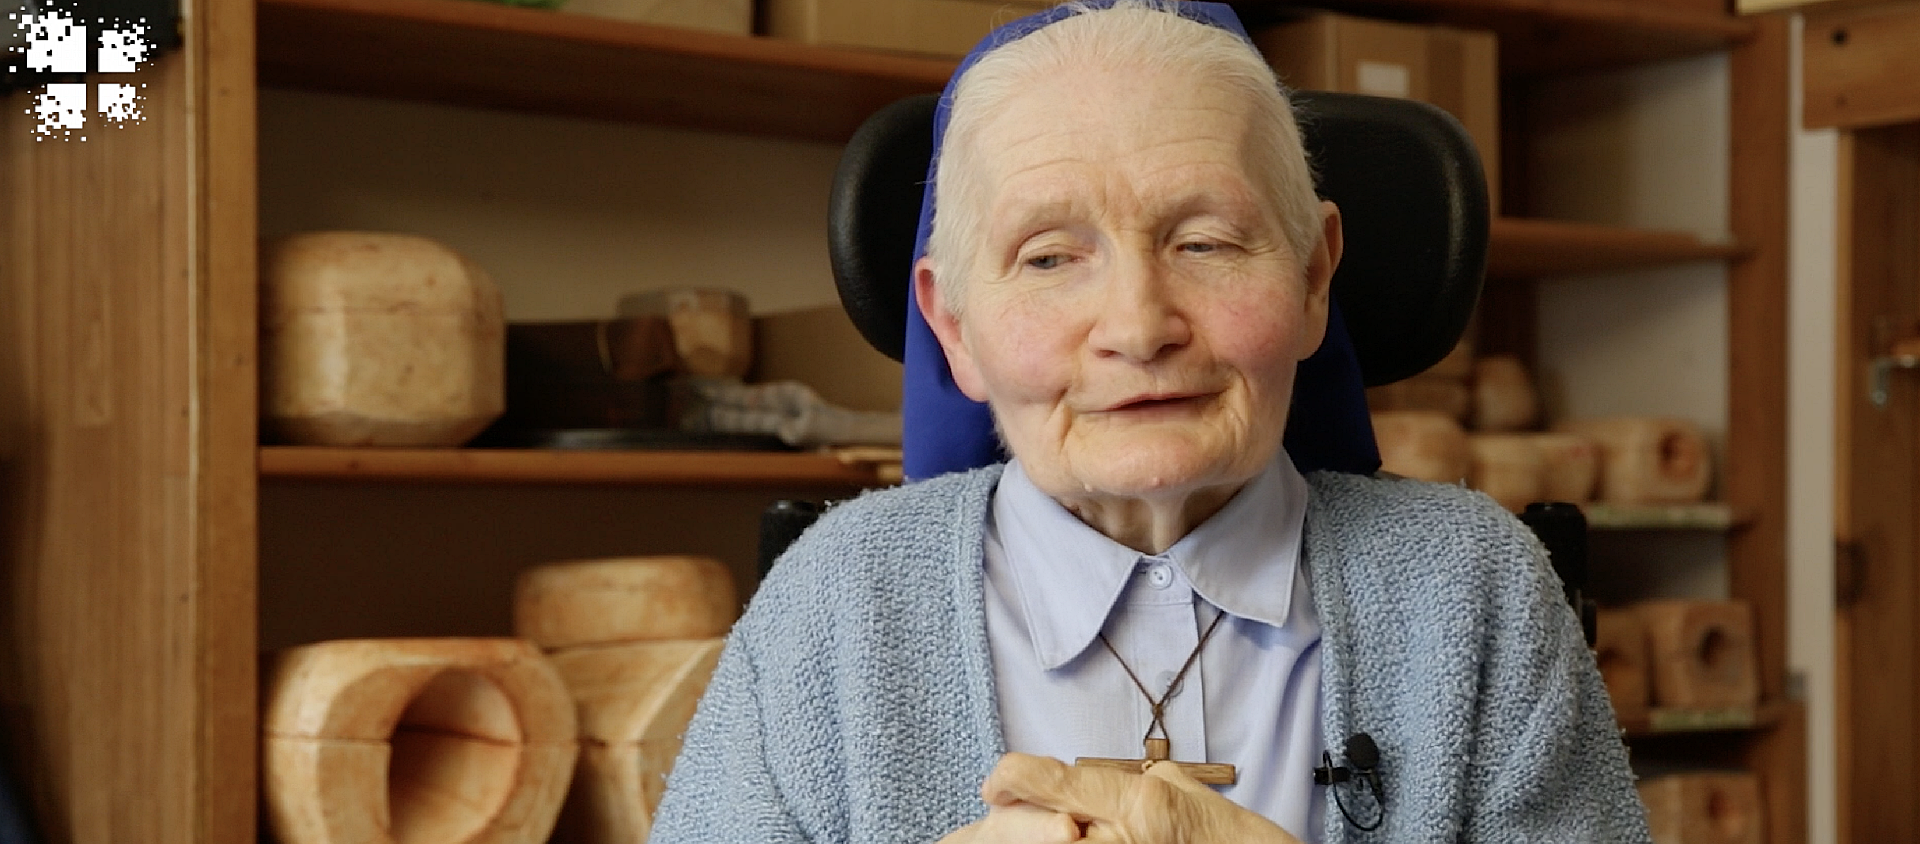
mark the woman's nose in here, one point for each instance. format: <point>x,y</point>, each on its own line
<point>1139,318</point>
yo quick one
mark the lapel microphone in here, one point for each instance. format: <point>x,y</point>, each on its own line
<point>1363,764</point>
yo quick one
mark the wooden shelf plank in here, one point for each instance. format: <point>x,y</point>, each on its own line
<point>1706,515</point>
<point>1528,248</point>
<point>488,55</point>
<point>543,466</point>
<point>1552,36</point>
<point>1660,722</point>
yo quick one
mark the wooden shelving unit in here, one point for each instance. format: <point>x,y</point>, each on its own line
<point>549,466</point>
<point>488,55</point>
<point>1552,36</point>
<point>1708,515</point>
<point>1529,248</point>
<point>128,451</point>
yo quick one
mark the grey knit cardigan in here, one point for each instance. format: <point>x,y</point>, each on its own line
<point>855,703</point>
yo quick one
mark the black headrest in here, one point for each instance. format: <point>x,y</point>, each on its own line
<point>1409,185</point>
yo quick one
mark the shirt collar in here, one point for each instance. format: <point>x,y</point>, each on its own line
<point>1069,576</point>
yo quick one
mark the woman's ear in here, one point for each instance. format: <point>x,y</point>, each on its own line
<point>946,326</point>
<point>1321,263</point>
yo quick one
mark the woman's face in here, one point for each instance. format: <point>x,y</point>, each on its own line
<point>1135,313</point>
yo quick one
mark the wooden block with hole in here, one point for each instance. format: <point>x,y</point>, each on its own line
<point>464,741</point>
<point>635,640</point>
<point>1704,808</point>
<point>1702,653</point>
<point>1620,648</point>
<point>1648,460</point>
<point>635,701</point>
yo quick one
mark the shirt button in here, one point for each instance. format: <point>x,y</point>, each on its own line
<point>1160,575</point>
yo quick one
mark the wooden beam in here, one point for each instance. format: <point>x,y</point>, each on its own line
<point>1756,467</point>
<point>1860,66</point>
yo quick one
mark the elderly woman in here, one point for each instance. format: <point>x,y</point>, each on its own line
<point>1126,266</point>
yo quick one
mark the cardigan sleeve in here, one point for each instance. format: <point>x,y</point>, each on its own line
<point>722,789</point>
<point>1551,766</point>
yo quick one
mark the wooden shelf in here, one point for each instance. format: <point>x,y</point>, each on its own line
<point>1527,248</point>
<point>1551,36</point>
<point>1709,515</point>
<point>1662,722</point>
<point>468,53</point>
<point>539,466</point>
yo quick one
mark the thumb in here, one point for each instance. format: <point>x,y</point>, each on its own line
<point>1176,776</point>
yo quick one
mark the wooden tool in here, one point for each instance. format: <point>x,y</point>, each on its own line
<point>1704,808</point>
<point>1702,652</point>
<point>1648,460</point>
<point>1507,467</point>
<point>378,339</point>
<point>1620,647</point>
<point>624,599</point>
<point>634,702</point>
<point>1425,446</point>
<point>416,741</point>
<point>1503,395</point>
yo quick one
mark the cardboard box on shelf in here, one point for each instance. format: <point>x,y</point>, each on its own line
<point>1455,69</point>
<point>734,17</point>
<point>936,27</point>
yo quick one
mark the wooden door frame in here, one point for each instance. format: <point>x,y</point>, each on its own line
<point>128,461</point>
<point>1878,632</point>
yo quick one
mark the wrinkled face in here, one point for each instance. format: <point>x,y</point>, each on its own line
<point>1135,314</point>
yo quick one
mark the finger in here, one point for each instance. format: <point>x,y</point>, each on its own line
<point>1024,824</point>
<point>1085,793</point>
<point>1176,776</point>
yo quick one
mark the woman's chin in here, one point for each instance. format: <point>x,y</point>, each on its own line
<point>1160,468</point>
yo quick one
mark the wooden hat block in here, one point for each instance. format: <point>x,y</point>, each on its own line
<point>1703,653</point>
<point>1704,808</point>
<point>635,702</point>
<point>635,640</point>
<point>1620,648</point>
<point>1648,460</point>
<point>416,741</point>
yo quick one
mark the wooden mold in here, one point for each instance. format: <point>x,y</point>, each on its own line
<point>624,599</point>
<point>1620,648</point>
<point>635,701</point>
<point>1703,653</point>
<point>1704,808</point>
<point>416,741</point>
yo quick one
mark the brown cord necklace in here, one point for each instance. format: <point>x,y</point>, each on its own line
<point>1158,749</point>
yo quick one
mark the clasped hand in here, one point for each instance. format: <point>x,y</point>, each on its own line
<point>1038,800</point>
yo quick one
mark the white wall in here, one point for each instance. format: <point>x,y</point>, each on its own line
<point>567,215</point>
<point>1811,349</point>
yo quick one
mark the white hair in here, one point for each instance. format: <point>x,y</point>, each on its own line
<point>1135,33</point>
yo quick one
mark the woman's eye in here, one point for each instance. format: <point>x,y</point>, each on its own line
<point>1199,247</point>
<point>1046,262</point>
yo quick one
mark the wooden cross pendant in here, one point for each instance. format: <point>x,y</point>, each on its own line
<point>1211,773</point>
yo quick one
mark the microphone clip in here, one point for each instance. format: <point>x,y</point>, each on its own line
<point>1363,764</point>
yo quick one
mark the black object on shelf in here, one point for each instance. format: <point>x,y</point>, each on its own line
<point>1562,528</point>
<point>782,523</point>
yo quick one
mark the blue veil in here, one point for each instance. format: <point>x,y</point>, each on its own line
<point>1327,428</point>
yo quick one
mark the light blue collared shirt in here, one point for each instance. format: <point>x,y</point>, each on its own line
<point>1252,699</point>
